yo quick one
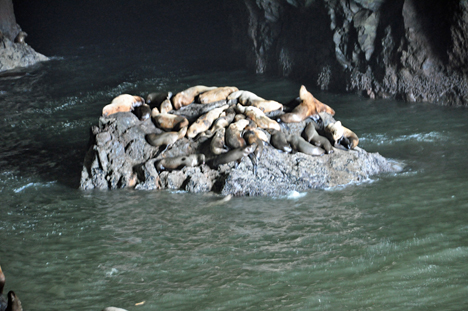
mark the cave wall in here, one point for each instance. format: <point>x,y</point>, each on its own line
<point>408,49</point>
<point>8,25</point>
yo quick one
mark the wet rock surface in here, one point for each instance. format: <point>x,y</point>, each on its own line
<point>14,55</point>
<point>120,157</point>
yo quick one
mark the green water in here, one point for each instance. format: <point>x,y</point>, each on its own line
<point>397,242</point>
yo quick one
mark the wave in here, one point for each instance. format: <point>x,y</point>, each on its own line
<point>384,139</point>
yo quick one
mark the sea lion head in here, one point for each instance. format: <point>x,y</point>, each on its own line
<point>336,130</point>
<point>20,37</point>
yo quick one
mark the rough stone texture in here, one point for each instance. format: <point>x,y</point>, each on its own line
<point>409,49</point>
<point>120,157</point>
<point>13,55</point>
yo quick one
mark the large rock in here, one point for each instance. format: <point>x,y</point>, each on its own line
<point>407,49</point>
<point>120,157</point>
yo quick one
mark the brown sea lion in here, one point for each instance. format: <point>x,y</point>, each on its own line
<point>14,304</point>
<point>167,139</point>
<point>155,99</point>
<point>2,281</point>
<point>279,141</point>
<point>175,163</point>
<point>217,94</point>
<point>143,112</point>
<point>258,117</point>
<point>186,97</point>
<point>205,121</point>
<point>234,134</point>
<point>122,103</point>
<point>299,144</point>
<point>339,132</point>
<point>217,144</point>
<point>251,137</point>
<point>20,37</point>
<point>248,98</point>
<point>168,122</point>
<point>233,155</point>
<point>224,120</point>
<point>308,107</point>
<point>311,135</point>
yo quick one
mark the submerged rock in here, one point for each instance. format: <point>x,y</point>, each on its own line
<point>120,157</point>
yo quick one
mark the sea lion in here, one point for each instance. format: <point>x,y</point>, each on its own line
<point>205,121</point>
<point>166,106</point>
<point>308,107</point>
<point>14,304</point>
<point>311,135</point>
<point>174,163</point>
<point>20,37</point>
<point>187,96</point>
<point>342,135</point>
<point>113,309</point>
<point>143,112</point>
<point>233,155</point>
<point>224,120</point>
<point>239,116</point>
<point>300,144</point>
<point>167,139</point>
<point>248,98</point>
<point>234,134</point>
<point>155,99</point>
<point>217,94</point>
<point>251,137</point>
<point>258,117</point>
<point>3,301</point>
<point>279,141</point>
<point>168,122</point>
<point>217,144</point>
<point>122,103</point>
<point>2,281</point>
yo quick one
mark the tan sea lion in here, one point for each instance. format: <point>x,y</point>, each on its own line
<point>217,144</point>
<point>233,155</point>
<point>186,97</point>
<point>175,163</point>
<point>14,304</point>
<point>308,107</point>
<point>234,134</point>
<point>311,135</point>
<point>279,141</point>
<point>20,37</point>
<point>167,122</point>
<point>167,139</point>
<point>217,94</point>
<point>122,103</point>
<point>166,106</point>
<point>339,132</point>
<point>299,144</point>
<point>248,98</point>
<point>258,117</point>
<point>205,121</point>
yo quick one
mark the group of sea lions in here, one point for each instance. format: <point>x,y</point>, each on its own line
<point>12,303</point>
<point>238,125</point>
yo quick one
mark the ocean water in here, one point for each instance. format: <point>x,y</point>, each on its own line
<point>397,242</point>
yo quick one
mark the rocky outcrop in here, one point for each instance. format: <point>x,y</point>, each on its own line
<point>14,54</point>
<point>120,157</point>
<point>407,49</point>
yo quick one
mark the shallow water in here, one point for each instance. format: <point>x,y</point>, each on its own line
<point>397,242</point>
